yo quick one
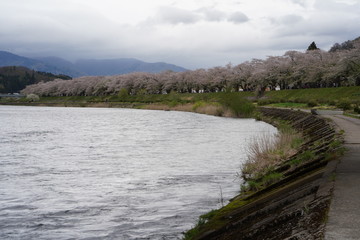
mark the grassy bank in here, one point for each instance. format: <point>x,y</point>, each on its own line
<point>342,97</point>
<point>346,98</point>
<point>320,95</point>
<point>218,104</point>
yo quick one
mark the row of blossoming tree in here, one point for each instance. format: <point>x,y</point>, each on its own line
<point>311,69</point>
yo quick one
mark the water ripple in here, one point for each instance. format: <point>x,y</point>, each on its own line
<point>81,173</point>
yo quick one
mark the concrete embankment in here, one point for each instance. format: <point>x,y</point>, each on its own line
<point>296,206</point>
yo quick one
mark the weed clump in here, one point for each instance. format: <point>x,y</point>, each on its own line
<point>312,103</point>
<point>302,158</point>
<point>267,152</point>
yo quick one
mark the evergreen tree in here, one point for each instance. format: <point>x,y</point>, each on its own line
<point>312,46</point>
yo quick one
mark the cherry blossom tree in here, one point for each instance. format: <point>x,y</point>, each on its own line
<point>313,68</point>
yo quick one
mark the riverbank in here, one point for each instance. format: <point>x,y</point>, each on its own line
<point>339,97</point>
<point>295,205</point>
<point>220,104</point>
<point>203,108</point>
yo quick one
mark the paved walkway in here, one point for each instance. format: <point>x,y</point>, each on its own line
<point>344,215</point>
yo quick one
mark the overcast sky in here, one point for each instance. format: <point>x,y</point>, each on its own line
<point>190,33</point>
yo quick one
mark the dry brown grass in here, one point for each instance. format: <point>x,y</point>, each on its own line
<point>206,108</point>
<point>210,110</point>
<point>183,107</point>
<point>98,105</point>
<point>156,107</point>
<point>268,150</point>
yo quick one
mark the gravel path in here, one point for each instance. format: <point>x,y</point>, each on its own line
<point>344,215</point>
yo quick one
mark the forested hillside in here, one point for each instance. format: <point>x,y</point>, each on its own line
<point>314,68</point>
<point>13,79</point>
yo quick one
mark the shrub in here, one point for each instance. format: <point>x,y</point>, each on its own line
<point>333,103</point>
<point>198,104</point>
<point>297,100</point>
<point>357,109</point>
<point>123,94</point>
<point>239,106</point>
<point>254,185</point>
<point>344,105</point>
<point>173,103</point>
<point>263,102</point>
<point>312,103</point>
<point>32,97</point>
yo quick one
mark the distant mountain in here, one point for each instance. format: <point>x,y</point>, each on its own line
<point>14,78</point>
<point>63,66</point>
<point>122,66</point>
<point>9,59</point>
<point>85,67</point>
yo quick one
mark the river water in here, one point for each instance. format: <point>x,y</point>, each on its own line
<point>96,173</point>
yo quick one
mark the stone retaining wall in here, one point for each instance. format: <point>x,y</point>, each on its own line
<point>295,207</point>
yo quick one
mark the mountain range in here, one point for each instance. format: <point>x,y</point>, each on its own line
<point>86,67</point>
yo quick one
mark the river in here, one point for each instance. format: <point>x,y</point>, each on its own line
<point>103,173</point>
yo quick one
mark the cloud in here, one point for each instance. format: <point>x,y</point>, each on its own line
<point>349,2</point>
<point>212,14</point>
<point>327,20</point>
<point>238,17</point>
<point>173,15</point>
<point>291,19</point>
<point>303,3</point>
<point>190,33</point>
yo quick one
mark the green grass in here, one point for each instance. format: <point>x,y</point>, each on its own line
<point>288,105</point>
<point>147,98</point>
<point>345,98</point>
<point>214,219</point>
<point>303,157</point>
<point>295,98</point>
<point>320,95</point>
<point>203,219</point>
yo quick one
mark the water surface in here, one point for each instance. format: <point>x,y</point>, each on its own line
<point>92,173</point>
